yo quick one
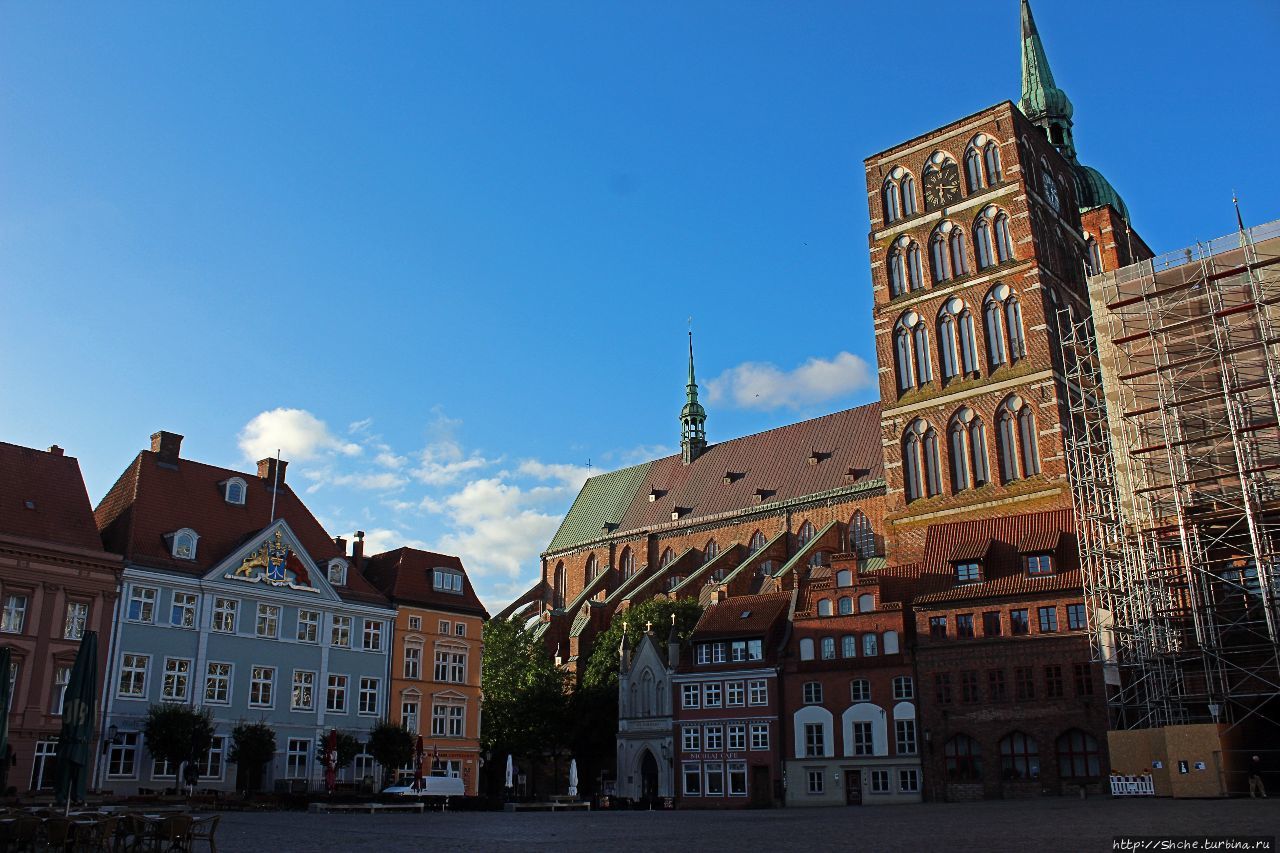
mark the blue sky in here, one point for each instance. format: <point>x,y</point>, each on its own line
<point>445,253</point>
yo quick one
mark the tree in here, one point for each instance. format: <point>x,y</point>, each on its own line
<point>253,745</point>
<point>348,749</point>
<point>602,665</point>
<point>178,734</point>
<point>391,746</point>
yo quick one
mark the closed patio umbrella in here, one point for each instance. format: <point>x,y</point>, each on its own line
<point>573,777</point>
<point>75,740</point>
<point>510,770</point>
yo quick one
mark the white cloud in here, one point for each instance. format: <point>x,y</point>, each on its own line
<point>761,385</point>
<point>443,462</point>
<point>569,475</point>
<point>498,528</point>
<point>360,426</point>
<point>296,433</point>
<point>381,481</point>
<point>380,539</point>
<point>387,459</point>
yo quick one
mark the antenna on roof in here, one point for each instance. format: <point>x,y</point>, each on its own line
<point>275,481</point>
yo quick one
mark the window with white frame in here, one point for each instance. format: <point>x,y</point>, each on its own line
<point>861,738</point>
<point>903,687</point>
<point>217,683</point>
<point>806,648</point>
<point>813,693</point>
<point>224,615</point>
<point>737,736</point>
<point>262,682</point>
<point>714,772</point>
<point>459,629</point>
<point>210,766</point>
<point>859,690</point>
<point>412,661</point>
<point>691,739</point>
<point>719,654</point>
<point>184,544</point>
<point>757,692</point>
<point>692,779</point>
<point>711,695</point>
<point>409,714</point>
<point>415,623</point>
<point>340,636</point>
<point>363,765</point>
<point>337,573</point>
<point>61,678</point>
<point>451,666</point>
<point>737,778</point>
<point>336,699</point>
<point>133,676</point>
<point>690,696</point>
<point>909,781</point>
<point>759,735</point>
<point>703,653</point>
<point>303,695</point>
<point>176,686</point>
<point>905,737</point>
<point>879,781</point>
<point>142,604</point>
<point>444,627</point>
<point>74,621</point>
<point>182,610</point>
<point>233,491</point>
<point>308,626</point>
<point>368,701</point>
<point>447,580</point>
<point>816,780</point>
<point>268,621</point>
<point>447,719</point>
<point>713,737</point>
<point>735,694</point>
<point>297,758</point>
<point>43,764</point>
<point>372,641</point>
<point>122,757</point>
<point>814,740</point>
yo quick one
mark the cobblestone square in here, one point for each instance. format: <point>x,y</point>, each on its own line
<point>1039,825</point>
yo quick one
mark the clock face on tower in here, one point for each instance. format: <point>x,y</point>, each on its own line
<point>942,185</point>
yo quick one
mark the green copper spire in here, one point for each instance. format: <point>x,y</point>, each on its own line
<point>1042,101</point>
<point>693,418</point>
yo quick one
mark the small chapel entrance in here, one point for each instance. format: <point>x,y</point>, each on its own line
<point>648,777</point>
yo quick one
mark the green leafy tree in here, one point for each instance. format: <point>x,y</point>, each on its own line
<point>391,746</point>
<point>348,749</point>
<point>602,665</point>
<point>178,734</point>
<point>253,745</point>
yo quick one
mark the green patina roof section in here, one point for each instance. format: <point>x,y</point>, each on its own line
<point>603,500</point>
<point>693,581</point>
<point>1040,94</point>
<point>753,558</point>
<point>804,552</point>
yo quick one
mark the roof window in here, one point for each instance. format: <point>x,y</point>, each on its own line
<point>182,543</point>
<point>233,491</point>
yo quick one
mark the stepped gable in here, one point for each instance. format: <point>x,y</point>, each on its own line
<point>405,576</point>
<point>43,497</point>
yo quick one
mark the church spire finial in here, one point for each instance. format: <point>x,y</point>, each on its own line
<point>693,418</point>
<point>1042,101</point>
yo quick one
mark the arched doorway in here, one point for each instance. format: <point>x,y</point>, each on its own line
<point>648,776</point>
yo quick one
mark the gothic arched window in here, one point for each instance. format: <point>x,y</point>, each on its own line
<point>710,551</point>
<point>959,257</point>
<point>991,154</point>
<point>1018,444</point>
<point>973,169</point>
<point>1005,338</point>
<point>668,557</point>
<point>967,441</point>
<point>558,587</point>
<point>756,542</point>
<point>862,538</point>
<point>892,210</point>
<point>1094,256</point>
<point>938,257</point>
<point>920,342</point>
<point>964,759</point>
<point>627,563</point>
<point>1078,755</point>
<point>920,461</point>
<point>897,276</point>
<point>914,279</point>
<point>908,185</point>
<point>982,242</point>
<point>592,568</point>
<point>805,534</point>
<point>902,359</point>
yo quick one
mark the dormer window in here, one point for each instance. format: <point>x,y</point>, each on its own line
<point>338,572</point>
<point>1039,564</point>
<point>233,491</point>
<point>183,543</point>
<point>970,572</point>
<point>447,580</point>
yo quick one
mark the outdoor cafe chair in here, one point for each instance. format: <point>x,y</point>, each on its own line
<point>174,834</point>
<point>25,830</point>
<point>97,835</point>
<point>203,829</point>
<point>58,833</point>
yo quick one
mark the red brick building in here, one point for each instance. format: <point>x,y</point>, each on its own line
<point>849,689</point>
<point>727,704</point>
<point>56,582</point>
<point>1012,705</point>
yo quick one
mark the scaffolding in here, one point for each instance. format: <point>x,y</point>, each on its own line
<point>1177,491</point>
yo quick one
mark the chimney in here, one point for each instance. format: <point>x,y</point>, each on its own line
<point>55,450</point>
<point>341,544</point>
<point>166,445</point>
<point>267,470</point>
<point>357,551</point>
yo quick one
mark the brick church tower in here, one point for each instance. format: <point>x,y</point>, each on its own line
<point>976,242</point>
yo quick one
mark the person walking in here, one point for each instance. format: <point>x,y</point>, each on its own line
<point>1256,787</point>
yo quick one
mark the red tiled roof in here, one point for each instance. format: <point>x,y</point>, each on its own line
<point>152,499</point>
<point>975,550</point>
<point>1039,541</point>
<point>1002,570</point>
<point>405,576</point>
<point>43,497</point>
<point>742,615</point>
<point>776,461</point>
